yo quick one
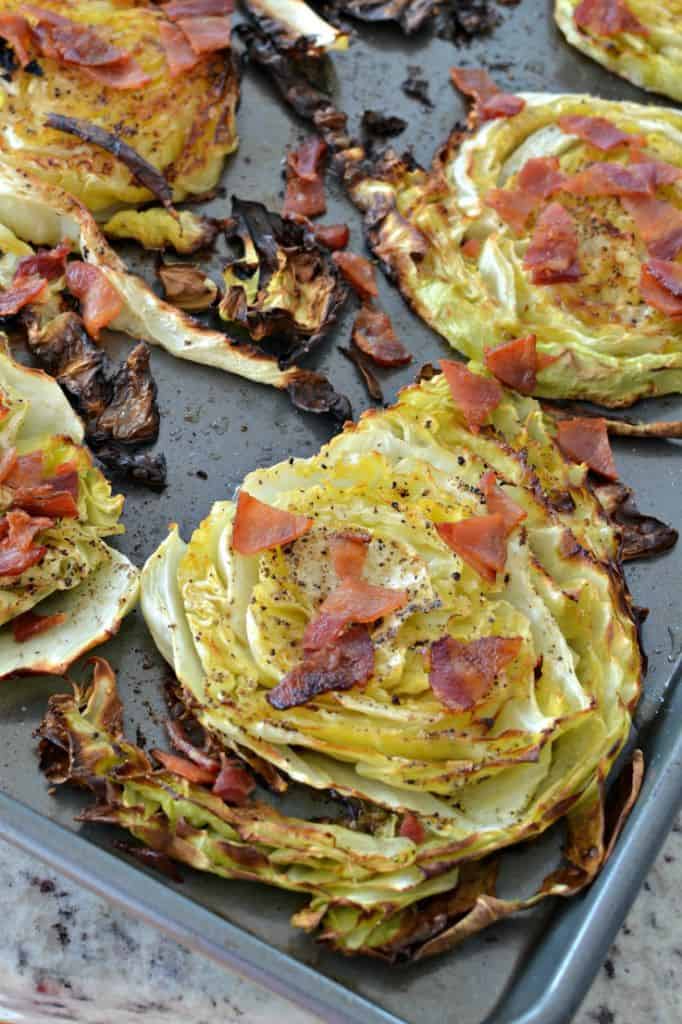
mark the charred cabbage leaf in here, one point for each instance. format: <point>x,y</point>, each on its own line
<point>56,509</point>
<point>281,286</point>
<point>642,46</point>
<point>479,753</point>
<point>182,125</point>
<point>470,242</point>
<point>34,212</point>
<point>372,889</point>
<point>293,24</point>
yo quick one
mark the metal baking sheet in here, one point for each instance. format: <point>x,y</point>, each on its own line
<point>531,970</point>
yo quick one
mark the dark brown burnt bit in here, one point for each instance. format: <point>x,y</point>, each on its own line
<point>409,14</point>
<point>151,859</point>
<point>641,536</point>
<point>383,126</point>
<point>143,172</point>
<point>416,87</point>
<point>312,392</point>
<point>370,381</point>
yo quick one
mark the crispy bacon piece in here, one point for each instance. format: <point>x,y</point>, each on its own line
<point>124,75</point>
<point>412,828</point>
<point>260,527</point>
<point>585,439</point>
<point>100,302</point>
<point>22,291</point>
<point>179,54</point>
<point>176,9</point>
<point>55,497</point>
<point>499,504</point>
<point>472,247</point>
<point>46,263</point>
<point>17,534</point>
<point>348,662</point>
<point>490,101</point>
<point>660,286</point>
<point>354,600</point>
<point>606,179</point>
<point>538,178</point>
<point>184,768</point>
<point>607,18</point>
<point>373,334</point>
<point>28,625</point>
<point>658,224</point>
<point>598,131</point>
<point>304,195</point>
<point>552,256</point>
<point>359,273</point>
<point>24,470</point>
<point>207,34</point>
<point>462,674</point>
<point>8,460</point>
<point>515,363</point>
<point>480,541</point>
<point>475,396</point>
<point>234,784</point>
<point>348,552</point>
<point>17,31</point>
<point>332,236</point>
<point>661,172</point>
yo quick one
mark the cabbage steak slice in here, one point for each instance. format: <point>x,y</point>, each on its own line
<point>463,241</point>
<point>441,778</point>
<point>79,579</point>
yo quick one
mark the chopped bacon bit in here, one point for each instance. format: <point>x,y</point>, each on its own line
<point>8,460</point>
<point>46,499</point>
<point>472,247</point>
<point>658,224</point>
<point>349,553</point>
<point>480,541</point>
<point>359,273</point>
<point>126,74</point>
<point>47,263</point>
<point>17,534</point>
<point>500,504</point>
<point>598,131</point>
<point>207,34</point>
<point>490,100</point>
<point>179,54</point>
<point>606,179</point>
<point>332,236</point>
<point>661,172</point>
<point>260,527</point>
<point>17,31</point>
<point>100,302</point>
<point>25,471</point>
<point>20,293</point>
<point>412,828</point>
<point>607,18</point>
<point>586,439</point>
<point>538,178</point>
<point>552,256</point>
<point>373,334</point>
<point>305,185</point>
<point>660,286</point>
<point>184,768</point>
<point>515,363</point>
<point>354,600</point>
<point>176,9</point>
<point>476,396</point>
<point>462,673</point>
<point>28,624</point>
<point>234,784</point>
<point>348,662</point>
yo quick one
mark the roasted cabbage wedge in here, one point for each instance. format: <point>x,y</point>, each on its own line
<point>73,574</point>
<point>460,263</point>
<point>647,50</point>
<point>438,788</point>
<point>32,211</point>
<point>184,126</point>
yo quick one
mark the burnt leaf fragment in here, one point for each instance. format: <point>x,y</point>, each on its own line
<point>280,286</point>
<point>409,14</point>
<point>312,392</point>
<point>384,126</point>
<point>373,386</point>
<point>416,87</point>
<point>641,536</point>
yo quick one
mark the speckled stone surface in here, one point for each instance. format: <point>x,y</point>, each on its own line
<point>65,955</point>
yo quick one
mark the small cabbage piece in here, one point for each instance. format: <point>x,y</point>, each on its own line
<point>535,743</point>
<point>78,576</point>
<point>159,229</point>
<point>647,53</point>
<point>466,251</point>
<point>43,215</point>
<point>184,126</point>
<point>280,286</point>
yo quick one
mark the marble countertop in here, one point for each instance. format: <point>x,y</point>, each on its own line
<point>67,956</point>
